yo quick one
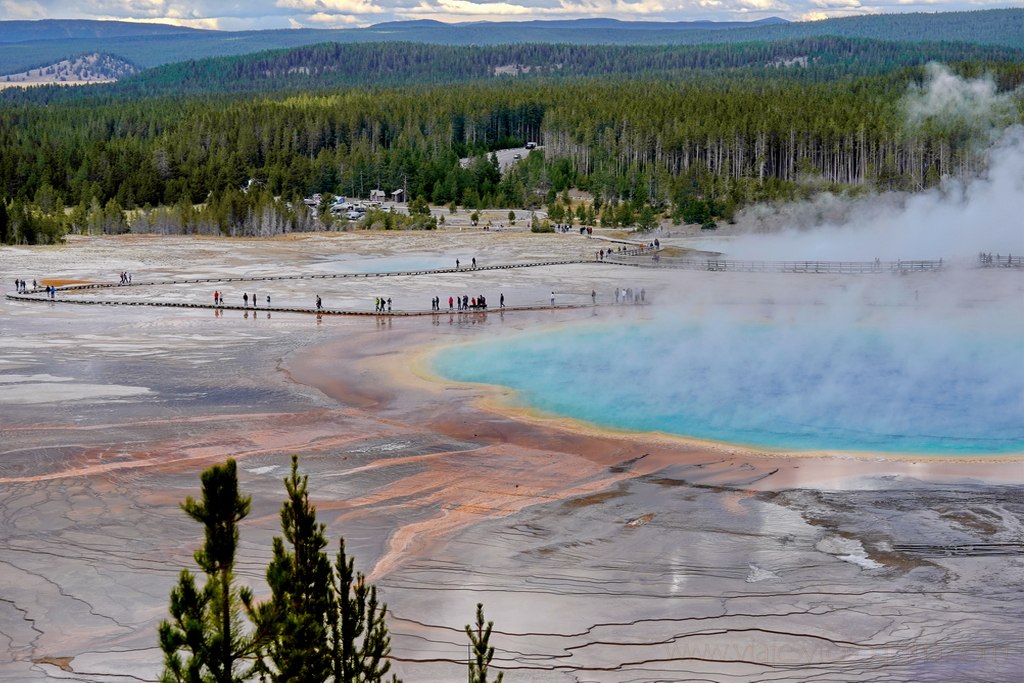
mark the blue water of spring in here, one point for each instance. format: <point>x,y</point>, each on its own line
<point>913,388</point>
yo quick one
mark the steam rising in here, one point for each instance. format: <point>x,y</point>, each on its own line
<point>954,221</point>
<point>927,362</point>
<point>948,100</point>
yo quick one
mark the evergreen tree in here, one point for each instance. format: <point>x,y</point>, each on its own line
<point>299,577</point>
<point>208,624</point>
<point>360,637</point>
<point>483,653</point>
<point>5,236</point>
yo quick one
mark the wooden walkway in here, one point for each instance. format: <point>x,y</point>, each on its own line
<point>645,257</point>
<point>734,266</point>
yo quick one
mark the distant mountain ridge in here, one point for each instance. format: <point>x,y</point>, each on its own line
<point>587,24</point>
<point>160,45</point>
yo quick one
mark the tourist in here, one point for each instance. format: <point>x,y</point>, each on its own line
<point>593,296</point>
<point>389,304</point>
<point>456,264</point>
<point>245,300</point>
<point>552,298</point>
<point>268,303</point>
<point>474,261</point>
<point>451,301</point>
<point>318,306</point>
<point>501,300</point>
<point>216,298</point>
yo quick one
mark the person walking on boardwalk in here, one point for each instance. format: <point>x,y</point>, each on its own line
<point>245,300</point>
<point>593,297</point>
<point>474,261</point>
<point>501,300</point>
<point>318,305</point>
<point>216,298</point>
<point>268,301</point>
<point>456,264</point>
<point>552,298</point>
<point>451,302</point>
<point>389,304</point>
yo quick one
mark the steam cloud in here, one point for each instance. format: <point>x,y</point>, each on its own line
<point>957,220</point>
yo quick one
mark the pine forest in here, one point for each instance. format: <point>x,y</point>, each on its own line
<point>232,145</point>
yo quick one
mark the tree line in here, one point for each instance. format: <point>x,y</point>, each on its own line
<point>337,65</point>
<point>322,622</point>
<point>693,146</point>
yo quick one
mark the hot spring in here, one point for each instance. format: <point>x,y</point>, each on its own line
<point>901,383</point>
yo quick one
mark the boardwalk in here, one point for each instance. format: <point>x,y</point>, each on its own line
<point>644,257</point>
<point>729,265</point>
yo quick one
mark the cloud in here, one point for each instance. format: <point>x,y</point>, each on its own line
<point>9,9</point>
<point>209,23</point>
<point>454,10</point>
<point>328,8</point>
<point>465,8</point>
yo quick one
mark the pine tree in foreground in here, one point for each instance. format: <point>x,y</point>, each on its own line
<point>208,624</point>
<point>299,576</point>
<point>361,642</point>
<point>483,653</point>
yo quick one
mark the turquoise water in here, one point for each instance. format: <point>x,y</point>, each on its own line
<point>913,388</point>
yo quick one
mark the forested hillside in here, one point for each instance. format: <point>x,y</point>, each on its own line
<point>335,65</point>
<point>1004,27</point>
<point>699,146</point>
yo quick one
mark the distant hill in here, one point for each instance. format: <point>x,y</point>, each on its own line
<point>94,68</point>
<point>1003,27</point>
<point>337,65</point>
<point>65,29</point>
<point>582,24</point>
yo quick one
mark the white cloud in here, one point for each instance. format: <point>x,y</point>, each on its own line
<point>611,8</point>
<point>208,23</point>
<point>465,8</point>
<point>762,5</point>
<point>9,9</point>
<point>326,8</point>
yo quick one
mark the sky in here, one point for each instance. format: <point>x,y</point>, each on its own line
<point>264,14</point>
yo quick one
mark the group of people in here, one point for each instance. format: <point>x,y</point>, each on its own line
<point>218,299</point>
<point>126,277</point>
<point>21,287</point>
<point>458,263</point>
<point>466,302</point>
<point>378,304</point>
<point>628,295</point>
<point>635,249</point>
<point>988,259</point>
